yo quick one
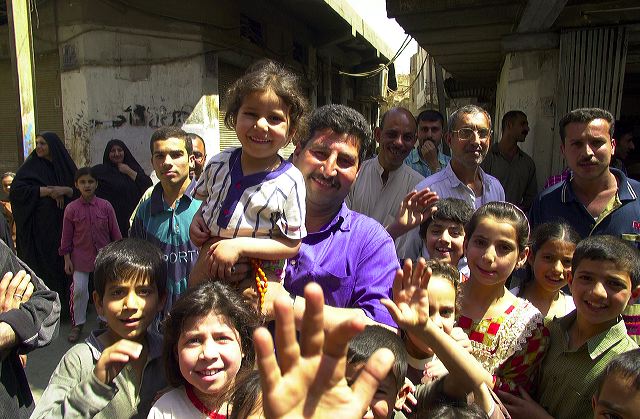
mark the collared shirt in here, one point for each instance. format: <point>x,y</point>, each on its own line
<point>353,259</point>
<point>447,185</point>
<point>75,391</point>
<point>87,227</point>
<point>380,201</point>
<point>517,176</point>
<point>569,378</point>
<point>560,202</point>
<point>264,204</point>
<point>415,162</point>
<point>168,228</point>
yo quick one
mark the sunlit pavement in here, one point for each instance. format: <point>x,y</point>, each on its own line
<point>42,362</point>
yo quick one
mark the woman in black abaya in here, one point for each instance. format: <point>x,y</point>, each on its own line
<point>121,181</point>
<point>42,187</point>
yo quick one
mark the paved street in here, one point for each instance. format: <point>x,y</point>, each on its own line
<point>42,362</point>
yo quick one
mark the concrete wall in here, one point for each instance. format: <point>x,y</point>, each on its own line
<point>528,83</point>
<point>159,82</point>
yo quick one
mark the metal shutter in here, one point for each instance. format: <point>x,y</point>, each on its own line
<point>227,74</point>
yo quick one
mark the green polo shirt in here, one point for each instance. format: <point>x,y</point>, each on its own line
<point>568,378</point>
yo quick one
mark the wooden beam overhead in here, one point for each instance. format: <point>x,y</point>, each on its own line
<point>469,33</point>
<point>540,15</point>
<point>397,8</point>
<point>457,48</point>
<point>506,14</point>
<point>530,41</point>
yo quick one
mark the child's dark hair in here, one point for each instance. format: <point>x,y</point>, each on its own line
<point>208,297</point>
<point>446,271</point>
<point>130,258</point>
<point>626,366</point>
<point>265,75</point>
<point>363,345</point>
<point>612,249</point>
<point>543,233</point>
<point>246,397</point>
<point>459,410</point>
<point>449,209</point>
<point>84,171</point>
<point>501,211</point>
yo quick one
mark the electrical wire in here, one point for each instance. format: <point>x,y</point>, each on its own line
<point>402,93</point>
<point>381,67</point>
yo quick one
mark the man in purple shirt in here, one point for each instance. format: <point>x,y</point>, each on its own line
<point>350,255</point>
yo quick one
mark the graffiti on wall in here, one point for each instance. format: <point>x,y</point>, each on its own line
<point>146,116</point>
<point>84,129</point>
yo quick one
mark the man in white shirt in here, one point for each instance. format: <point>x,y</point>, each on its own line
<point>385,180</point>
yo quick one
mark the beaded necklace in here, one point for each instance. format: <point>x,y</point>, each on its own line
<point>261,282</point>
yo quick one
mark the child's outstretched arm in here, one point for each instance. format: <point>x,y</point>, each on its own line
<point>414,209</point>
<point>225,253</point>
<point>308,379</point>
<point>410,310</point>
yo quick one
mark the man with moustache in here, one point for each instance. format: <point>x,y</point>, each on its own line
<point>428,157</point>
<point>384,181</point>
<point>350,255</point>
<point>468,136</point>
<point>514,168</point>
<point>596,199</point>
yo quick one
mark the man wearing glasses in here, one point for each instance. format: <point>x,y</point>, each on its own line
<point>468,136</point>
<point>199,156</point>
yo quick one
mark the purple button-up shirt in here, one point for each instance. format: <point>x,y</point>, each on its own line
<point>87,227</point>
<point>353,259</point>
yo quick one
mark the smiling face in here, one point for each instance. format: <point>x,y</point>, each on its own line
<point>469,153</point>
<point>129,306</point>
<point>116,154</point>
<point>600,291</point>
<point>329,163</point>
<point>262,126</point>
<point>396,138</point>
<point>444,241</point>
<point>170,160</point>
<point>42,148</point>
<point>492,252</point>
<point>209,354</point>
<point>588,149</point>
<point>551,264</point>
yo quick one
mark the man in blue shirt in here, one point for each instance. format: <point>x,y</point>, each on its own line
<point>596,199</point>
<point>428,157</point>
<point>165,211</point>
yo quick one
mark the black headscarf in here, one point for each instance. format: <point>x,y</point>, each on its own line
<point>119,189</point>
<point>38,219</point>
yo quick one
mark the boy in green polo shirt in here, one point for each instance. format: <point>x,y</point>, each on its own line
<point>605,275</point>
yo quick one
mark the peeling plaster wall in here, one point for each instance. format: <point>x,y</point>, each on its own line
<point>528,82</point>
<point>126,85</point>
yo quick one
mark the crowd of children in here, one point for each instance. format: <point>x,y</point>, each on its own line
<point>467,345</point>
